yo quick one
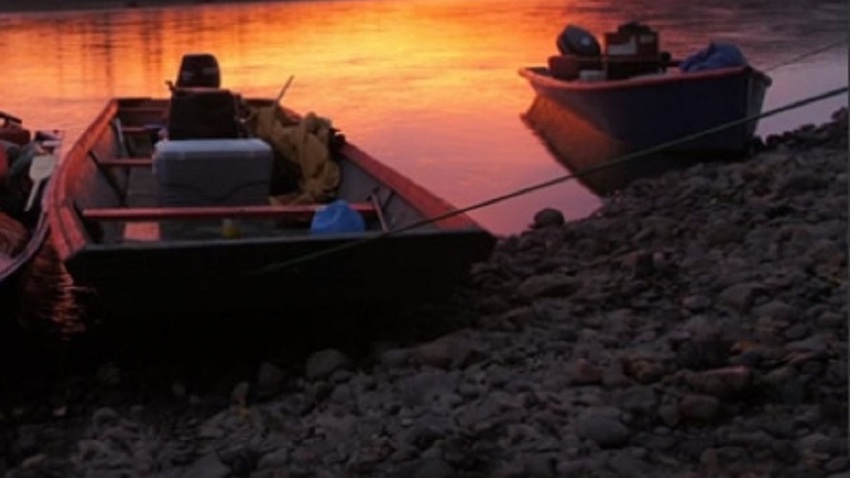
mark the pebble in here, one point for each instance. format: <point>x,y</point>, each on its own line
<point>323,363</point>
<point>604,430</point>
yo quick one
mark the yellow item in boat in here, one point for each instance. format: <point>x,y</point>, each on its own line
<point>230,229</point>
<point>305,147</point>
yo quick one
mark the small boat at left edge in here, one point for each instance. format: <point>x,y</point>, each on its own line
<point>27,160</point>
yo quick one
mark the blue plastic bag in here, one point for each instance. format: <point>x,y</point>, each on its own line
<point>716,55</point>
<point>336,218</point>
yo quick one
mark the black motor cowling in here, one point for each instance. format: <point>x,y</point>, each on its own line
<point>577,41</point>
<point>199,70</point>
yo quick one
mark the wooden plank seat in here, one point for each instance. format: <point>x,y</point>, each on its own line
<point>125,110</point>
<point>144,129</point>
<point>300,212</point>
<point>127,162</point>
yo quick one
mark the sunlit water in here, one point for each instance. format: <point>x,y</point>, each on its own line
<point>427,86</point>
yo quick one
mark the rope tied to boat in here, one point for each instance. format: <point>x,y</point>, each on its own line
<point>618,161</point>
<point>806,55</point>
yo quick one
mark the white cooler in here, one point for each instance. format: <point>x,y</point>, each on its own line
<point>205,172</point>
<point>210,172</point>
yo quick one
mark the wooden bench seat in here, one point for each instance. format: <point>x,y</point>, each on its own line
<point>126,162</point>
<point>300,212</point>
<point>139,129</point>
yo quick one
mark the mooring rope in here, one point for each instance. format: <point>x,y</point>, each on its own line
<point>806,55</point>
<point>275,267</point>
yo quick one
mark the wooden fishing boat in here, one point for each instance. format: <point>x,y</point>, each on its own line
<point>590,109</point>
<point>117,232</point>
<point>26,162</point>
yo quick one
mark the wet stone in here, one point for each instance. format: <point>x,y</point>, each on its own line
<point>604,430</point>
<point>324,362</point>
<point>548,218</point>
<point>699,408</point>
<point>837,464</point>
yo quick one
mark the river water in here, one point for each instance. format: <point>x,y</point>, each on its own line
<point>428,86</point>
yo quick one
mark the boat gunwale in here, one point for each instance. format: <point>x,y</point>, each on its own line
<point>536,76</point>
<point>67,228</point>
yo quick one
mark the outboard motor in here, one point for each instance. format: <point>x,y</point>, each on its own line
<point>199,70</point>
<point>579,52</point>
<point>199,108</point>
<point>577,41</point>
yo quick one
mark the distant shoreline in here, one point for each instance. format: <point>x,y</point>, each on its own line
<point>64,5</point>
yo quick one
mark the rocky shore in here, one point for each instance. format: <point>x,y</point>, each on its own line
<point>695,326</point>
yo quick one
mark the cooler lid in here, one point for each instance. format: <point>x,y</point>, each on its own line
<point>212,147</point>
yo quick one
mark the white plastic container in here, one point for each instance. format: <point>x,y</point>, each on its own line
<point>204,172</point>
<point>591,75</point>
<point>212,172</point>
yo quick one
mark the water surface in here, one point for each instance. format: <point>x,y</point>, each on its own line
<point>428,86</point>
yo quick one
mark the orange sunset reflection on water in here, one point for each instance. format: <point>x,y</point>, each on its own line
<point>430,87</point>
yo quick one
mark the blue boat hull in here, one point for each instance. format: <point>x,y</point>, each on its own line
<point>649,111</point>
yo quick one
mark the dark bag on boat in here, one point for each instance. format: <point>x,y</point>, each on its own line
<point>569,67</point>
<point>577,41</point>
<point>203,113</point>
<point>713,57</point>
<point>12,131</point>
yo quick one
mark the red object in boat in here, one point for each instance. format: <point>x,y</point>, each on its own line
<point>12,131</point>
<point>632,50</point>
<point>4,163</point>
<point>17,135</point>
<point>569,67</point>
<point>632,40</point>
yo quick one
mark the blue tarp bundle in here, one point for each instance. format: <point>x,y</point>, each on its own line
<point>716,55</point>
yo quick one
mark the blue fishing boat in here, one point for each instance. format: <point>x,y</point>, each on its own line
<point>595,103</point>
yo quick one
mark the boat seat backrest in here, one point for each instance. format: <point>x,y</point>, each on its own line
<point>203,113</point>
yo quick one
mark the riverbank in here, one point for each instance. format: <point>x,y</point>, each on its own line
<point>696,326</point>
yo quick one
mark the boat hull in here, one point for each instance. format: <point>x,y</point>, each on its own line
<point>266,277</point>
<point>397,260</point>
<point>587,151</point>
<point>588,123</point>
